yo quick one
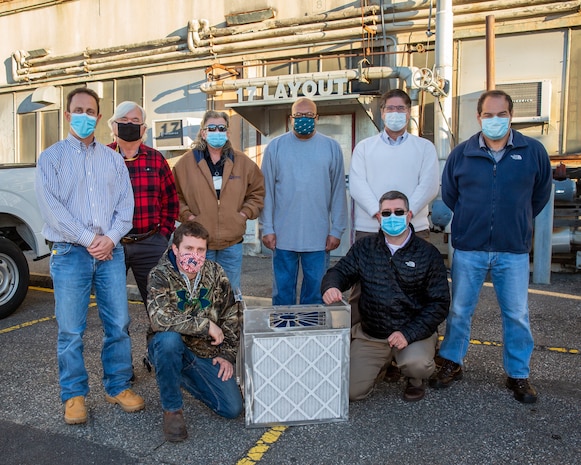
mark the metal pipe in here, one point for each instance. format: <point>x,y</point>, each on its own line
<point>542,242</point>
<point>332,16</point>
<point>288,41</point>
<point>285,31</point>
<point>407,13</point>
<point>490,54</point>
<point>115,58</point>
<point>444,73</point>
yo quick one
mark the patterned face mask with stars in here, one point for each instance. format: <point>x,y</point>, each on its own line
<point>191,262</point>
<point>304,126</point>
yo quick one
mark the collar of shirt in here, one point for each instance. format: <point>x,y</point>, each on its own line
<point>140,151</point>
<point>76,143</point>
<point>496,154</point>
<point>389,141</point>
<point>394,247</point>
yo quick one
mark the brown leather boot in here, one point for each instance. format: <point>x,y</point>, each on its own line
<point>174,426</point>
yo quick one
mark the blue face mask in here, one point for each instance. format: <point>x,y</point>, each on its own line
<point>395,121</point>
<point>83,124</point>
<point>394,225</point>
<point>304,126</point>
<point>216,139</point>
<point>495,128</point>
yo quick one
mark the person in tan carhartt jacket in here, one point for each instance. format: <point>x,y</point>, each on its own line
<point>221,188</point>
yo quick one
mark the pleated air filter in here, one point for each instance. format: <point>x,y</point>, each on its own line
<point>296,364</point>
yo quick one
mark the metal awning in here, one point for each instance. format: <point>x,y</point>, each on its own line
<point>258,112</point>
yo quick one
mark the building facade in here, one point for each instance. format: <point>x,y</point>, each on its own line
<point>254,57</point>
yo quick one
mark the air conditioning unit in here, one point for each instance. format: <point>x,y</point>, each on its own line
<point>296,364</point>
<point>174,134</point>
<point>532,100</point>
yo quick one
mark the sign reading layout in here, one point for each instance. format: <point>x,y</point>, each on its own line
<point>292,89</point>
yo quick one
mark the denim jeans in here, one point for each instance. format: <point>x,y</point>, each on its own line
<point>285,266</point>
<point>75,273</point>
<point>177,366</point>
<point>230,259</point>
<point>510,277</point>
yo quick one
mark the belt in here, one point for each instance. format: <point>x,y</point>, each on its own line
<point>131,238</point>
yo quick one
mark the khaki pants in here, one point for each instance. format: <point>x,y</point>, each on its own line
<point>369,355</point>
<point>356,289</point>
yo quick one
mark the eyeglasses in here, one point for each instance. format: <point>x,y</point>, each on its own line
<point>132,121</point>
<point>216,127</point>
<point>398,212</point>
<point>309,115</point>
<point>398,108</point>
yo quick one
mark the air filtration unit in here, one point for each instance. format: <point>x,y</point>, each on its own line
<point>296,364</point>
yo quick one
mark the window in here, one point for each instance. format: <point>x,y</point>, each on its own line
<point>39,127</point>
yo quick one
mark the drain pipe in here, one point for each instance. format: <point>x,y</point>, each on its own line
<point>490,54</point>
<point>443,110</point>
<point>444,70</point>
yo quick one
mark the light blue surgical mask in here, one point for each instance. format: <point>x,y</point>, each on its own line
<point>216,139</point>
<point>495,128</point>
<point>394,225</point>
<point>304,126</point>
<point>83,124</point>
<point>395,121</point>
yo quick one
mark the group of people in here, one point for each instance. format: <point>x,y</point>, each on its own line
<point>108,209</point>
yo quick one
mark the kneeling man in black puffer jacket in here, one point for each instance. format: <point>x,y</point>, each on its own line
<point>404,297</point>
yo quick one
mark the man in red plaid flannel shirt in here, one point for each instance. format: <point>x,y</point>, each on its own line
<point>156,200</point>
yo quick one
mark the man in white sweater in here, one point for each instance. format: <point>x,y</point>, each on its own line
<point>392,160</point>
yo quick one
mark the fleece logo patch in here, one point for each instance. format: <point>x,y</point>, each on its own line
<point>516,156</point>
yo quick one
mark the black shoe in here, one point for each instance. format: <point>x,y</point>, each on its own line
<point>448,373</point>
<point>391,373</point>
<point>524,391</point>
<point>414,393</point>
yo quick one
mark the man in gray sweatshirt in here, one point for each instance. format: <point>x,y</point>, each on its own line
<point>305,208</point>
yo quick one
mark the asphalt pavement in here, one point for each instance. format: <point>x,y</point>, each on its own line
<point>475,421</point>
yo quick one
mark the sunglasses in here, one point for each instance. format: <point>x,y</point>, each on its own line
<point>216,127</point>
<point>398,212</point>
<point>309,115</point>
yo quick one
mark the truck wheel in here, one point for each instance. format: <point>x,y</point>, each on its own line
<point>14,277</point>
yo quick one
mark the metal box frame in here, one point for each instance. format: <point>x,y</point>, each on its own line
<point>296,364</point>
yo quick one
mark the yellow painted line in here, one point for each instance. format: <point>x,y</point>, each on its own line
<point>555,294</point>
<point>255,454</point>
<point>40,320</point>
<point>41,289</point>
<point>561,350</point>
<point>26,324</point>
<point>548,293</point>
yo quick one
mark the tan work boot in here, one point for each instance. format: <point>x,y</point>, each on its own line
<point>75,410</point>
<point>174,426</point>
<point>127,400</point>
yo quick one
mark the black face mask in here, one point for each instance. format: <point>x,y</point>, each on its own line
<point>129,132</point>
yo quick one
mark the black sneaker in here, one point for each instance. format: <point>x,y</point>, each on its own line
<point>448,372</point>
<point>524,391</point>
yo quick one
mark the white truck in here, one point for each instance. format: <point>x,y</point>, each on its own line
<point>20,230</point>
